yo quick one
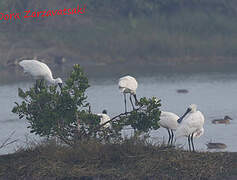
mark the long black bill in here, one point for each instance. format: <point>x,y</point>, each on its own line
<point>60,85</point>
<point>181,118</point>
<point>136,101</point>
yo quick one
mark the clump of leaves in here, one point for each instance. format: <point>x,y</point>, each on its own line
<point>143,119</point>
<point>64,113</point>
<point>53,111</point>
<point>146,117</point>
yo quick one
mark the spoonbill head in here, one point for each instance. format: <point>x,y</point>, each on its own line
<point>58,81</point>
<point>191,109</point>
<point>128,85</point>
<point>39,70</point>
<point>191,125</point>
<point>104,111</point>
<point>104,118</point>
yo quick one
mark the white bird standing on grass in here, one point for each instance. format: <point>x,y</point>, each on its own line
<point>191,125</point>
<point>128,85</point>
<point>104,118</point>
<point>39,70</point>
<point>169,121</point>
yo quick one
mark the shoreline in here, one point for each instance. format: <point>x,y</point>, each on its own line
<point>15,74</point>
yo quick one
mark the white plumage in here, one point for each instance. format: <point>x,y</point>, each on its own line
<point>104,118</point>
<point>128,85</point>
<point>191,124</point>
<point>168,120</point>
<point>39,70</point>
<point>198,133</point>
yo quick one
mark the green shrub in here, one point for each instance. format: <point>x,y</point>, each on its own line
<point>51,111</point>
<point>64,113</point>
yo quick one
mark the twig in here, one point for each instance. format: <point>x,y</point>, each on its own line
<point>112,119</point>
<point>7,141</point>
<point>70,142</point>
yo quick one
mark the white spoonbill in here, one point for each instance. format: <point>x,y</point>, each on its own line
<point>39,70</point>
<point>104,118</point>
<point>191,125</point>
<point>169,121</point>
<point>128,85</point>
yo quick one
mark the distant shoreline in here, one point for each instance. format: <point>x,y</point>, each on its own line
<point>15,74</point>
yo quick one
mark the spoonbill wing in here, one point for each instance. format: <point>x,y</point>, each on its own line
<point>128,82</point>
<point>35,68</point>
<point>168,120</point>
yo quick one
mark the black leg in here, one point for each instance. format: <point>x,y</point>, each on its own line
<point>41,83</point>
<point>172,136</point>
<point>125,102</point>
<point>192,142</point>
<point>169,137</point>
<point>37,86</point>
<point>136,101</point>
<point>131,102</point>
<point>189,143</point>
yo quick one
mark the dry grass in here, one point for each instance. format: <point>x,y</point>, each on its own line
<point>132,159</point>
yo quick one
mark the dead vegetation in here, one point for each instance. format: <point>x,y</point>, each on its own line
<point>8,141</point>
<point>132,159</point>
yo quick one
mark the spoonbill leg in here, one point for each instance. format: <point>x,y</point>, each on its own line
<point>169,136</point>
<point>189,143</point>
<point>172,136</point>
<point>192,142</point>
<point>131,102</point>
<point>125,102</point>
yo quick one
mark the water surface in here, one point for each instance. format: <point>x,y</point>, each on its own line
<point>214,93</point>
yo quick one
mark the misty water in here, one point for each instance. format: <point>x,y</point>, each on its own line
<point>214,93</point>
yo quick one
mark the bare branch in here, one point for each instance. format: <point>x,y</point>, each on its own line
<point>112,119</point>
<point>8,141</point>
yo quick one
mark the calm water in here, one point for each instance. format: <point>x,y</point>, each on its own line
<point>215,94</point>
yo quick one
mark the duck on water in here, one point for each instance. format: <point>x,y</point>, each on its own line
<point>225,120</point>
